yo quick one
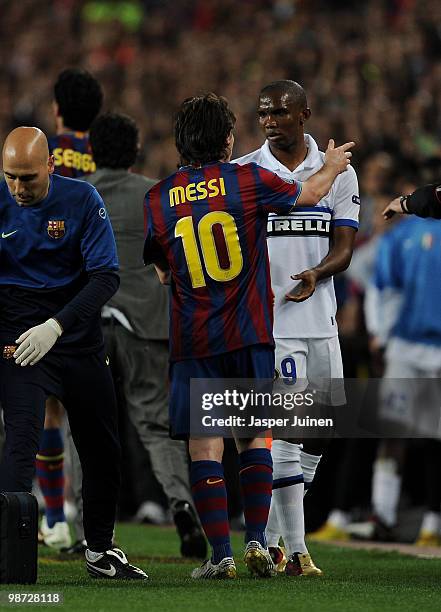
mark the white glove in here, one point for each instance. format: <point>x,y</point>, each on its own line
<point>36,342</point>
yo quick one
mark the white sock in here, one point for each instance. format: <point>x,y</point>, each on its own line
<point>288,499</point>
<point>93,556</point>
<point>272,531</point>
<point>339,519</point>
<point>309,465</point>
<point>386,488</point>
<point>431,522</point>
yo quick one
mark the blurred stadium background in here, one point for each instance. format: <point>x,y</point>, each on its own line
<point>372,72</point>
<point>371,69</point>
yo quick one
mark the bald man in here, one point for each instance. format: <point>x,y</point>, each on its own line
<point>77,101</point>
<point>58,268</point>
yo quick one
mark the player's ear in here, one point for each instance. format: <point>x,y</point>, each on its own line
<point>51,164</point>
<point>305,115</point>
<point>55,109</point>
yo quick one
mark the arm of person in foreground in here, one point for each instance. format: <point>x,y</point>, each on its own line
<point>337,159</point>
<point>423,202</point>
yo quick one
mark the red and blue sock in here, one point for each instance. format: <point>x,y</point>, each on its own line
<point>256,481</point>
<point>210,498</point>
<point>50,474</point>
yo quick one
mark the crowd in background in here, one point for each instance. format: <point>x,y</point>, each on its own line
<point>371,70</point>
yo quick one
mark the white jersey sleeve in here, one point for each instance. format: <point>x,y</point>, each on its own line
<point>346,200</point>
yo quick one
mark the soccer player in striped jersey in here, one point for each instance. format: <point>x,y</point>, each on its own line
<point>78,99</point>
<point>206,234</point>
<point>316,243</point>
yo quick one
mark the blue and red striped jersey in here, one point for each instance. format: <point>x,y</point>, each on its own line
<point>72,154</point>
<point>210,225</point>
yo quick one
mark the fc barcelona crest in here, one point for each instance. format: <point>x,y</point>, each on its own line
<point>56,229</point>
<point>8,351</point>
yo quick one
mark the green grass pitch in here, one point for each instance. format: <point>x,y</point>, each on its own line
<point>354,580</point>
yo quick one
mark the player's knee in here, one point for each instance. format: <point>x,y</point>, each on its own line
<point>206,449</point>
<point>283,451</point>
<point>244,444</point>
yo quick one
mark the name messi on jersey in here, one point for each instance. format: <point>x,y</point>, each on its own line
<point>196,191</point>
<point>295,227</point>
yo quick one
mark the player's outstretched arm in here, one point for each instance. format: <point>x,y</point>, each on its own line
<point>423,202</point>
<point>337,159</point>
<point>396,207</point>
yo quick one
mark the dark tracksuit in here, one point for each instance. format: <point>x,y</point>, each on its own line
<point>425,201</point>
<point>58,259</point>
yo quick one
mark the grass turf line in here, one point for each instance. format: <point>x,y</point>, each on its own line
<point>354,581</point>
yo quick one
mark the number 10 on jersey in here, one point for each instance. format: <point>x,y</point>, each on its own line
<point>184,229</point>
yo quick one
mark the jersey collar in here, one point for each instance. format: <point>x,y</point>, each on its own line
<point>309,163</point>
<point>190,167</point>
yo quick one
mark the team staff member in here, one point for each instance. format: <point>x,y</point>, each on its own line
<point>423,202</point>
<point>221,317</point>
<point>58,261</point>
<point>78,99</point>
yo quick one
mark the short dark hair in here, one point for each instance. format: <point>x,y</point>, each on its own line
<point>114,139</point>
<point>79,97</point>
<point>292,88</point>
<point>202,126</point>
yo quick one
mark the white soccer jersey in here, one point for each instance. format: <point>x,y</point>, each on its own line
<point>299,241</point>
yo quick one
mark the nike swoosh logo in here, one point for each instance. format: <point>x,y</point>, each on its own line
<point>213,480</point>
<point>10,234</point>
<point>109,572</point>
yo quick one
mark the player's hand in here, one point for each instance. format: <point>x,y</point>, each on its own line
<point>305,289</point>
<point>338,158</point>
<point>36,342</point>
<point>392,209</point>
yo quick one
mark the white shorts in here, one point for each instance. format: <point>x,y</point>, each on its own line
<point>409,400</point>
<point>312,363</point>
